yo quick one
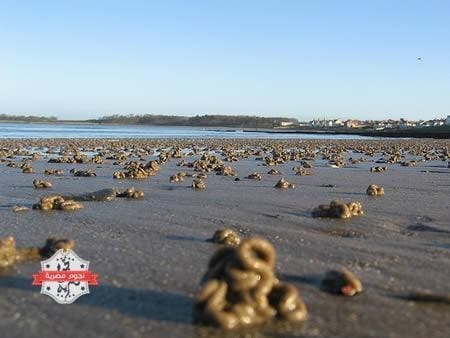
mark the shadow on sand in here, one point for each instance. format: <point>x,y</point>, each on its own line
<point>150,304</point>
<point>312,280</point>
<point>185,238</point>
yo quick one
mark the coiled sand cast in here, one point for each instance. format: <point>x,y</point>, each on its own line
<point>338,209</point>
<point>374,190</point>
<point>240,289</point>
<point>226,237</point>
<point>10,255</point>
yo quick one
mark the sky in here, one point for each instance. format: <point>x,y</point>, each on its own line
<point>302,59</point>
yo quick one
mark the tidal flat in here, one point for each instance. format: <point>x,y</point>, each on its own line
<point>151,252</point>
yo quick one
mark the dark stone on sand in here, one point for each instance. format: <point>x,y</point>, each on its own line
<point>103,195</point>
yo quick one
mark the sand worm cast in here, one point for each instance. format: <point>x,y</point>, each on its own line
<point>62,159</point>
<point>8,252</point>
<point>12,165</point>
<point>240,289</point>
<point>119,175</point>
<point>408,163</point>
<point>341,282</point>
<point>177,153</point>
<point>56,172</point>
<point>254,176</point>
<point>27,169</point>
<point>378,169</point>
<point>338,209</point>
<point>355,208</point>
<point>269,161</point>
<point>35,156</point>
<point>336,163</point>
<point>54,244</point>
<point>83,173</point>
<point>300,171</point>
<point>274,172</point>
<point>56,202</point>
<point>200,165</point>
<point>226,171</point>
<point>206,163</point>
<point>137,170</point>
<point>284,298</point>
<point>357,160</point>
<point>68,206</point>
<point>306,164</point>
<point>227,237</point>
<point>40,184</point>
<point>131,193</point>
<point>10,255</point>
<point>97,159</point>
<point>178,177</point>
<point>200,175</point>
<point>198,184</point>
<point>283,184</point>
<point>19,208</point>
<point>374,190</point>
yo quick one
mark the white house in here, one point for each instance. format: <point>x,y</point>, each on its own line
<point>286,124</point>
<point>438,123</point>
<point>338,123</point>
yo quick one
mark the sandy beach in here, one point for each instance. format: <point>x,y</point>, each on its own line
<point>151,253</point>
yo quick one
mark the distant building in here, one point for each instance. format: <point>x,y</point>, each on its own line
<point>320,123</point>
<point>286,124</point>
<point>352,123</point>
<point>338,123</point>
<point>438,123</point>
<point>405,124</point>
<point>428,123</point>
<point>377,124</point>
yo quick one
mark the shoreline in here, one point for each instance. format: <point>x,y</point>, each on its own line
<point>442,132</point>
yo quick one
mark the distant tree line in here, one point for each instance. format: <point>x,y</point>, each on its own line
<point>229,121</point>
<point>198,120</point>
<point>29,118</point>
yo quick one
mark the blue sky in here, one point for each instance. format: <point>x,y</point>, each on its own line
<point>304,59</point>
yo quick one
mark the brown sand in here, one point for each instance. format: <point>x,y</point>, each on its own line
<point>150,253</point>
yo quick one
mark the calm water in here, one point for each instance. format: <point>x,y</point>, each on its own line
<point>21,130</point>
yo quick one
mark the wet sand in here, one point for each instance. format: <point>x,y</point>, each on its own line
<point>151,253</point>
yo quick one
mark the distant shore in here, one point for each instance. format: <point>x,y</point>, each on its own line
<point>442,132</point>
<point>426,132</point>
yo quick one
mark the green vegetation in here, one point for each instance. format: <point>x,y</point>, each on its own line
<point>29,118</point>
<point>198,121</point>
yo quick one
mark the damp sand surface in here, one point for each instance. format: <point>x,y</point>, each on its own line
<point>151,253</point>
